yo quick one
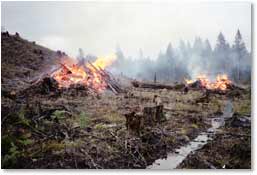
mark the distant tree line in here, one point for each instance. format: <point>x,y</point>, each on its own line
<point>188,61</point>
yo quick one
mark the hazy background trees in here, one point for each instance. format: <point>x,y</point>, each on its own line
<point>187,61</point>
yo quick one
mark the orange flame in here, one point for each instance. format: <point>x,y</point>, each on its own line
<point>189,81</point>
<point>221,83</point>
<point>103,62</point>
<point>88,75</point>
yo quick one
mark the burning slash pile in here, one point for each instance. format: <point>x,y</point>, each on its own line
<point>80,75</point>
<point>221,84</point>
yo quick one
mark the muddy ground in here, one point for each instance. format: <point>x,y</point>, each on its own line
<point>77,129</point>
<point>230,148</point>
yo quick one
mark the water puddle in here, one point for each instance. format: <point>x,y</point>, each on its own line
<point>174,159</point>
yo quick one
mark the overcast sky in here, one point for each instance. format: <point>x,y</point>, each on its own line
<point>98,28</point>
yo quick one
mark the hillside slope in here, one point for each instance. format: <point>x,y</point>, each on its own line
<point>22,60</point>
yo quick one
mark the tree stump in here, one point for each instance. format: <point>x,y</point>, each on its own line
<point>153,115</point>
<point>136,122</point>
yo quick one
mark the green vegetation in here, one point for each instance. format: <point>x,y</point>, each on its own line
<point>59,115</point>
<point>113,118</point>
<point>84,119</point>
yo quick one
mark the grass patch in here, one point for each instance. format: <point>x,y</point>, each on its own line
<point>83,120</point>
<point>194,126</point>
<point>100,126</point>
<point>114,118</point>
<point>243,108</point>
<point>59,114</point>
<point>52,146</point>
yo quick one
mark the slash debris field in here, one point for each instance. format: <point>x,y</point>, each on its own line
<point>44,126</point>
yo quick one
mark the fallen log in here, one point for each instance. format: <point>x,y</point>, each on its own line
<point>138,84</point>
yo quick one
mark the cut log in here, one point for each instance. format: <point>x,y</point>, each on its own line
<point>138,84</point>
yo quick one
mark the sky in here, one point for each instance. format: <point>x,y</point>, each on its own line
<point>99,28</point>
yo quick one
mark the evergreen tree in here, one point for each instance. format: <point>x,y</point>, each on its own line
<point>182,60</point>
<point>164,63</point>
<point>183,51</point>
<point>170,62</point>
<point>198,46</point>
<point>240,53</point>
<point>207,47</point>
<point>207,54</point>
<point>222,54</point>
<point>169,51</point>
<point>188,47</point>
